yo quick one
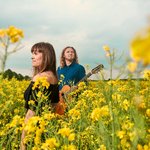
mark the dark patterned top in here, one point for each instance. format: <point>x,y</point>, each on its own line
<point>30,94</point>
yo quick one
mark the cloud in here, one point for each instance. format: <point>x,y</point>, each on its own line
<point>85,24</point>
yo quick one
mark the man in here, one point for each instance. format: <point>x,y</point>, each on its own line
<point>70,72</point>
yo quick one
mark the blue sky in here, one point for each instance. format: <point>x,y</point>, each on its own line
<point>86,25</point>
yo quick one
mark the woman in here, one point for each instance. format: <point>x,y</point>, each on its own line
<point>70,71</point>
<point>44,65</point>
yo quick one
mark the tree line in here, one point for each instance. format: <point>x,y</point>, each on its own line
<point>9,74</point>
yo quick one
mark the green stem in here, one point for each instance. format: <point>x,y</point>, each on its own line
<point>111,66</point>
<point>5,55</point>
<point>112,125</point>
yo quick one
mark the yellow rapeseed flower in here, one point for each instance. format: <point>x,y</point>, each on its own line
<point>14,34</point>
<point>127,125</point>
<point>2,33</point>
<point>106,48</point>
<point>37,139</point>
<point>146,74</point>
<point>132,135</point>
<point>105,110</point>
<point>65,132</point>
<point>132,66</point>
<point>116,97</point>
<point>14,39</point>
<point>31,102</point>
<point>102,147</point>
<point>41,82</point>
<point>45,83</point>
<point>39,94</point>
<point>148,112</point>
<point>97,113</point>
<point>139,147</point>
<point>69,147</point>
<point>62,76</point>
<point>146,147</point>
<point>140,46</point>
<point>36,147</point>
<point>121,134</point>
<point>71,137</point>
<point>125,104</point>
<point>49,116</point>
<point>50,144</point>
<point>139,101</point>
<point>16,121</point>
<point>31,125</point>
<point>3,45</point>
<point>108,54</point>
<point>74,114</point>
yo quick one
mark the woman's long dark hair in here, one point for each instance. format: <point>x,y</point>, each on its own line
<point>49,57</point>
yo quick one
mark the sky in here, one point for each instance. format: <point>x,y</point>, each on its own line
<point>86,25</point>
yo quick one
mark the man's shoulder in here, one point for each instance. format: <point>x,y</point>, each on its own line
<point>58,68</point>
<point>61,68</point>
<point>80,66</point>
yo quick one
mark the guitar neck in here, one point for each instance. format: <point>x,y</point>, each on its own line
<point>84,78</point>
<point>94,70</point>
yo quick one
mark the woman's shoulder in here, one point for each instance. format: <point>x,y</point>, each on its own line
<point>51,78</point>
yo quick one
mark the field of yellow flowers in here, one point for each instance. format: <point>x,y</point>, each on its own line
<point>108,115</point>
<point>101,115</point>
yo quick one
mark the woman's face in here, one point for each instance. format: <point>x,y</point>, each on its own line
<point>37,58</point>
<point>69,54</point>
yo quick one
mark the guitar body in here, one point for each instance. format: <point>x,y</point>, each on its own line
<point>61,106</point>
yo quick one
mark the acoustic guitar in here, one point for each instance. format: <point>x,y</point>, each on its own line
<point>66,89</point>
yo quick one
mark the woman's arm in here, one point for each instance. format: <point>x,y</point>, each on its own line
<point>29,114</point>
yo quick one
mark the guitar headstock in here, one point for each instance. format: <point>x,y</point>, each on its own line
<point>97,68</point>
